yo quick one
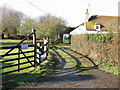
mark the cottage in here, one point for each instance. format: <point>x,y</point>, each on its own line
<point>97,24</point>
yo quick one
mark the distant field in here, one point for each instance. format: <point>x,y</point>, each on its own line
<point>10,42</point>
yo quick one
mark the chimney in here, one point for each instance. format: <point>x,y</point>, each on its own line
<point>86,10</point>
<point>86,18</point>
<point>86,15</point>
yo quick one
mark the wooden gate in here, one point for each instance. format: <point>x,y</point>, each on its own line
<point>37,52</point>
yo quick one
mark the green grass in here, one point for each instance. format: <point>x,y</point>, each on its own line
<point>26,76</point>
<point>10,42</point>
<point>71,61</point>
<point>15,56</point>
<point>16,78</point>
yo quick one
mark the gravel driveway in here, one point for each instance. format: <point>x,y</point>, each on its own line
<point>64,76</point>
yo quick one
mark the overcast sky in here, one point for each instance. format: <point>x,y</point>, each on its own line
<point>73,11</point>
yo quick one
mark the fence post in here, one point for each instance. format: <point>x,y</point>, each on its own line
<point>45,48</point>
<point>35,47</point>
<point>38,55</point>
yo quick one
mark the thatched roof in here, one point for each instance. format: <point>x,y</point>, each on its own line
<point>106,22</point>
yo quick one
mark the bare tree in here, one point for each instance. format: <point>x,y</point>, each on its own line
<point>0,22</point>
<point>50,26</point>
<point>10,21</point>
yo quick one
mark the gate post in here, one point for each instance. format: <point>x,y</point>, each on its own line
<point>35,47</point>
<point>18,60</point>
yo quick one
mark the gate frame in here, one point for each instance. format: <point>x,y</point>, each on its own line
<point>36,47</point>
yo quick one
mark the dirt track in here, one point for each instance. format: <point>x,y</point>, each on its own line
<point>64,76</point>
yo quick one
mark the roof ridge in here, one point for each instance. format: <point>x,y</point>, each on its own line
<point>105,16</point>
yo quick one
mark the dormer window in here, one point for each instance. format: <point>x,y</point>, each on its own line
<point>97,27</point>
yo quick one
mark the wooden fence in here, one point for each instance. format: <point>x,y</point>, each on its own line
<point>39,54</point>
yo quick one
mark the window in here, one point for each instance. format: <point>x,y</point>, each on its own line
<point>97,27</point>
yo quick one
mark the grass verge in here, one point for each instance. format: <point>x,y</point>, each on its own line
<point>70,61</point>
<point>61,44</point>
<point>108,66</point>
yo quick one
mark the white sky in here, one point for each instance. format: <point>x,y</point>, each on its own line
<point>73,11</point>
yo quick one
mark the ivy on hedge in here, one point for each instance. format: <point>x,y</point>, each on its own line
<point>101,38</point>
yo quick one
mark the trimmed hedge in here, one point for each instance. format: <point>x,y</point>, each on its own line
<point>100,47</point>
